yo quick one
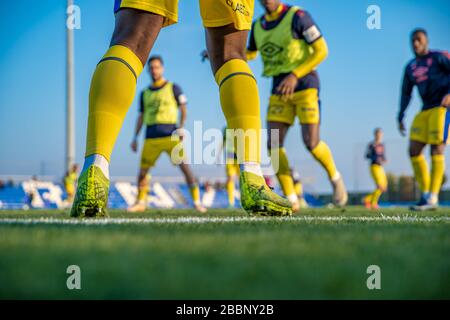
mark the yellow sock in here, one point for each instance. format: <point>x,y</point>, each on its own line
<point>323,155</point>
<point>437,173</point>
<point>112,91</point>
<point>279,158</point>
<point>298,189</point>
<point>421,172</point>
<point>368,198</point>
<point>240,104</point>
<point>195,194</point>
<point>375,196</point>
<point>142,193</point>
<point>143,189</point>
<point>230,191</point>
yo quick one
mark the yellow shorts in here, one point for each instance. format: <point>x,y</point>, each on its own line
<point>431,126</point>
<point>155,146</point>
<point>215,13</point>
<point>232,169</point>
<point>379,176</point>
<point>303,104</point>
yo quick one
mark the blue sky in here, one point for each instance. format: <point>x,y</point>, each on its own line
<point>360,81</point>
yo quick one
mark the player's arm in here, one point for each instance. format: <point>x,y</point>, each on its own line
<point>304,28</point>
<point>407,88</point>
<point>319,54</point>
<point>369,152</point>
<point>182,106</point>
<point>183,115</point>
<point>139,124</point>
<point>252,49</point>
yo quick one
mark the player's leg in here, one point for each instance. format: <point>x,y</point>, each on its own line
<point>143,183</point>
<point>418,141</point>
<point>437,172</point>
<point>380,179</point>
<point>70,191</point>
<point>420,169</point>
<point>150,154</point>
<point>175,149</point>
<point>280,162</point>
<point>307,108</point>
<point>227,24</point>
<point>420,165</point>
<point>322,153</point>
<point>231,173</point>
<point>240,104</point>
<point>373,197</point>
<point>112,91</point>
<point>439,123</point>
<point>194,189</point>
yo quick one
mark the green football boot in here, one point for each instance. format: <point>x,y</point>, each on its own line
<point>257,198</point>
<point>91,199</point>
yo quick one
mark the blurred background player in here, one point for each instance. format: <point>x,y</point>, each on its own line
<point>298,187</point>
<point>430,72</point>
<point>292,46</point>
<point>160,105</point>
<point>232,170</point>
<point>376,154</point>
<point>70,182</point>
<point>113,86</point>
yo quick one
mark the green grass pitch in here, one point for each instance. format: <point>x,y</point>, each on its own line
<point>178,254</point>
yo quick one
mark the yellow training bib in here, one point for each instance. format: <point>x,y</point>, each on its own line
<point>280,51</point>
<point>160,106</point>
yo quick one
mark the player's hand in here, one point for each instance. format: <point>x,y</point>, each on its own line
<point>180,132</point>
<point>402,129</point>
<point>446,101</point>
<point>287,87</point>
<point>205,55</point>
<point>134,145</point>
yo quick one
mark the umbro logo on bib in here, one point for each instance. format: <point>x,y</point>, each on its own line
<point>270,50</point>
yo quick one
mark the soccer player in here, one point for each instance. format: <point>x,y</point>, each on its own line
<point>376,154</point>
<point>292,46</point>
<point>159,108</point>
<point>430,72</point>
<point>113,87</point>
<point>232,170</point>
<point>70,181</point>
<point>298,187</point>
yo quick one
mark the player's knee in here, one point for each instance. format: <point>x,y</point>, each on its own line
<point>310,144</point>
<point>134,38</point>
<point>437,150</point>
<point>220,58</point>
<point>414,152</point>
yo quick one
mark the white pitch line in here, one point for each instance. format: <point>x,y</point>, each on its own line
<point>218,220</point>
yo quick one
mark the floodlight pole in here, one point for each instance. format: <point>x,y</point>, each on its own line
<point>70,93</point>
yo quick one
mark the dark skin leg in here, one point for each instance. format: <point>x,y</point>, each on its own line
<point>188,175</point>
<point>416,148</point>
<point>142,178</point>
<point>437,149</point>
<point>225,44</point>
<point>311,135</point>
<point>137,30</point>
<point>274,141</point>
